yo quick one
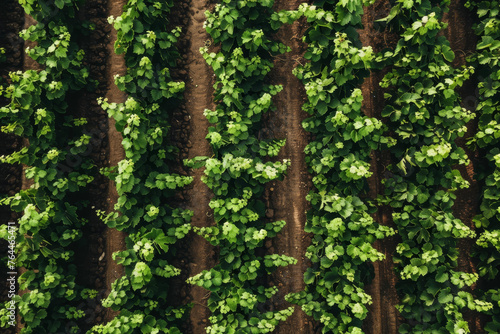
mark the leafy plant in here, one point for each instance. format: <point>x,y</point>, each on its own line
<point>50,220</point>
<point>339,160</point>
<point>236,174</point>
<point>424,112</point>
<point>143,180</point>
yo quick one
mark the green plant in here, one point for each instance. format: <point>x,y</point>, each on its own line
<point>487,139</point>
<point>50,222</point>
<point>339,160</point>
<point>143,180</point>
<point>424,112</point>
<point>237,173</point>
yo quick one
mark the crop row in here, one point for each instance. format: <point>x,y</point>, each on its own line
<point>238,171</point>
<point>423,109</point>
<point>51,223</point>
<point>143,180</point>
<point>339,160</point>
<point>487,138</point>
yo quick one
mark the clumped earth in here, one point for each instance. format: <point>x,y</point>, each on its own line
<point>285,200</point>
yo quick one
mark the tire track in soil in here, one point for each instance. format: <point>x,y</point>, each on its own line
<point>383,316</point>
<point>287,198</point>
<point>198,97</point>
<point>114,239</point>
<point>11,22</point>
<point>463,42</point>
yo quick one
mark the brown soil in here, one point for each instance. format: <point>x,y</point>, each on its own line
<point>287,198</point>
<point>198,97</point>
<point>382,316</point>
<point>115,240</point>
<point>463,41</point>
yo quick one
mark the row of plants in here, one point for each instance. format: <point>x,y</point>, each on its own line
<point>487,139</point>
<point>339,159</point>
<point>241,166</point>
<point>143,179</point>
<point>425,118</point>
<point>50,206</point>
<point>422,117</point>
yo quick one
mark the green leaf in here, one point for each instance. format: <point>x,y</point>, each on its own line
<point>445,296</point>
<point>309,276</point>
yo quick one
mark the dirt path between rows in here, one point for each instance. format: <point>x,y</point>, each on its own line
<point>288,197</point>
<point>198,97</point>
<point>115,240</point>
<point>383,316</point>
<point>463,43</point>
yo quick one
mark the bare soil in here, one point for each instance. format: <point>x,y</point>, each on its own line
<point>198,97</point>
<point>287,198</point>
<point>382,316</point>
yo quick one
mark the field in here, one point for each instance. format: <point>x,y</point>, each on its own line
<point>251,166</point>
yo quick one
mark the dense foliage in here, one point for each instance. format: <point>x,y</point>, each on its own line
<point>339,159</point>
<point>237,172</point>
<point>143,180</point>
<point>420,124</point>
<point>50,225</point>
<point>425,118</point>
<point>487,138</point>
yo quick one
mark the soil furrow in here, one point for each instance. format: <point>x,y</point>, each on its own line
<point>463,43</point>
<point>288,197</point>
<point>198,97</point>
<point>383,316</point>
<point>115,240</point>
